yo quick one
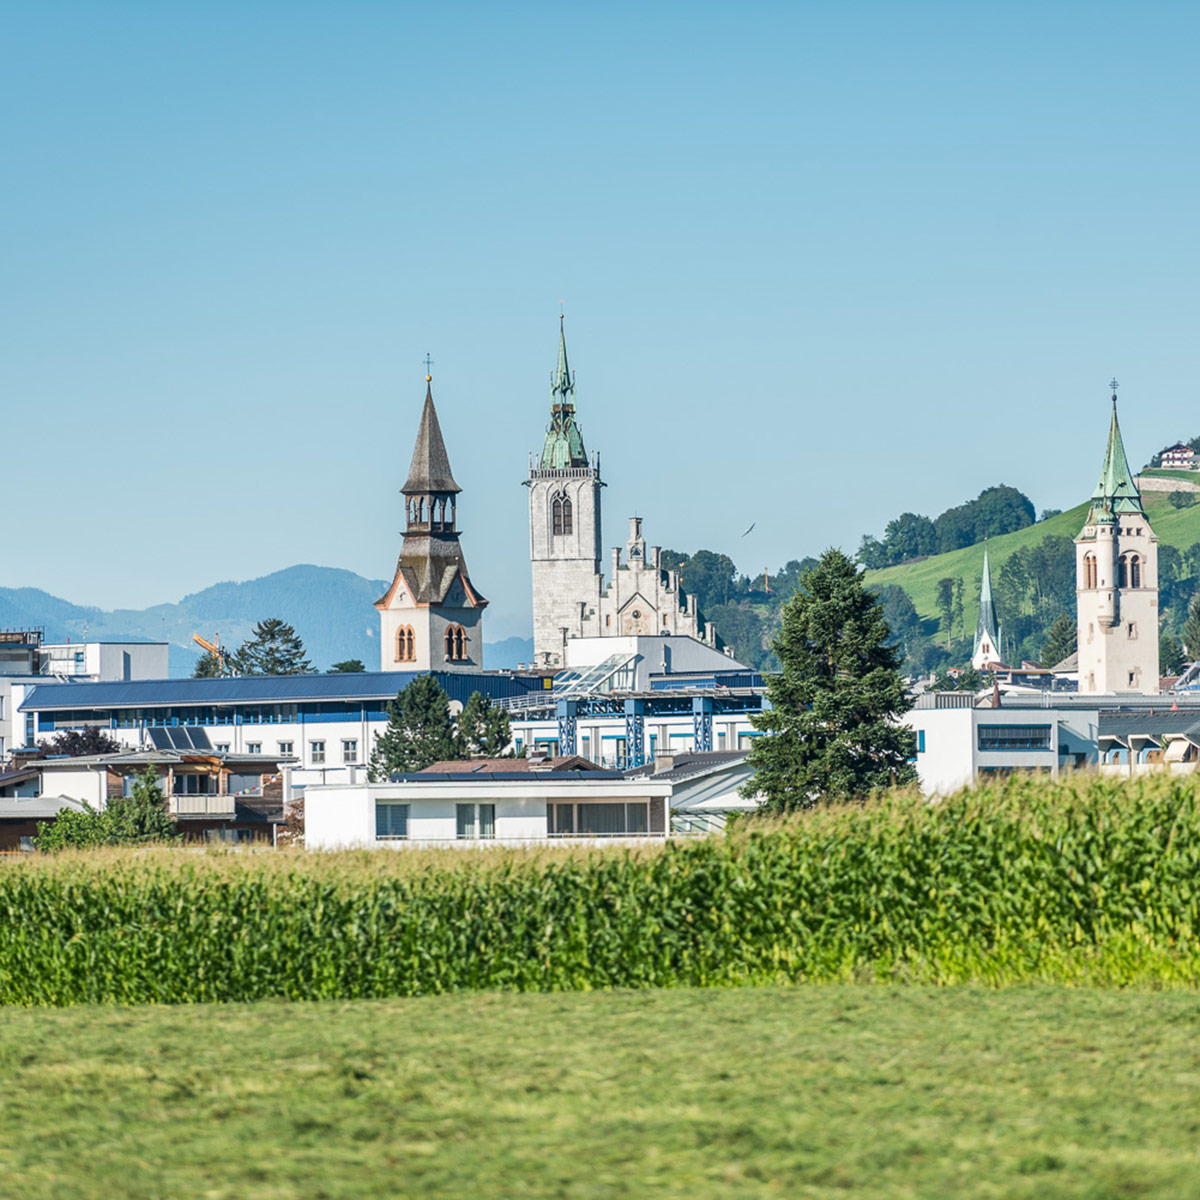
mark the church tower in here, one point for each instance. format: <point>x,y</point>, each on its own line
<point>564,524</point>
<point>431,618</point>
<point>987,628</point>
<point>1116,563</point>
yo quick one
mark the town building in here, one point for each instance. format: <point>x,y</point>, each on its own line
<point>495,801</point>
<point>571,597</point>
<point>1117,583</point>
<point>26,660</point>
<point>431,618</point>
<point>529,801</point>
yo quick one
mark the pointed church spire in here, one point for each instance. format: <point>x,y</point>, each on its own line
<point>1116,491</point>
<point>563,447</point>
<point>563,385</point>
<point>987,628</point>
<point>430,469</point>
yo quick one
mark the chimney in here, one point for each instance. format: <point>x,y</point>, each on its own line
<point>663,762</point>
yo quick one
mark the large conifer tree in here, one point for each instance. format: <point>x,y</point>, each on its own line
<point>274,648</point>
<point>419,731</point>
<point>832,729</point>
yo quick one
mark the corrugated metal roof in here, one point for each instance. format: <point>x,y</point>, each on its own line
<point>265,689</point>
<point>1124,724</point>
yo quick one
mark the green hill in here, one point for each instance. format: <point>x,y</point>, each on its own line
<point>1179,527</point>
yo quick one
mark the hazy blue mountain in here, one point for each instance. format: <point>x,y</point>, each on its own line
<point>331,609</point>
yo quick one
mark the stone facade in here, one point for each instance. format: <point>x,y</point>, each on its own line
<point>1116,562</point>
<point>570,595</point>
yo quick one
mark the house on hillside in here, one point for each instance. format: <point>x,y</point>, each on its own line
<point>1179,458</point>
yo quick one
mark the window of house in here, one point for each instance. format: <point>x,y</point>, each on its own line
<point>1131,629</point>
<point>254,747</point>
<point>1014,737</point>
<point>920,741</point>
<point>350,750</point>
<point>222,747</point>
<point>29,730</point>
<point>1135,571</point>
<point>598,820</point>
<point>1131,678</point>
<point>475,821</point>
<point>285,748</point>
<point>316,751</point>
<point>391,821</point>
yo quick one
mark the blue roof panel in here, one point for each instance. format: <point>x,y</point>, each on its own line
<point>266,689</point>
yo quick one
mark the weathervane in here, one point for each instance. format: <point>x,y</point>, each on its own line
<point>428,364</point>
<point>1112,383</point>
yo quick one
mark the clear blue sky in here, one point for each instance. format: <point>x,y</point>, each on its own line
<point>821,263</point>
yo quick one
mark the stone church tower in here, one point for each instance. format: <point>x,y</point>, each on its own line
<point>564,524</point>
<point>431,618</point>
<point>1116,562</point>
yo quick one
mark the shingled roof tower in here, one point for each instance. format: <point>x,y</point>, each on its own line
<point>987,628</point>
<point>431,618</point>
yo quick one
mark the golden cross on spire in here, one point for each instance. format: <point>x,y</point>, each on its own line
<point>428,365</point>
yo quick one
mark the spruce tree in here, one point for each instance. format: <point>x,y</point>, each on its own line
<point>1191,629</point>
<point>485,726</point>
<point>1061,641</point>
<point>274,648</point>
<point>419,731</point>
<point>1171,658</point>
<point>208,666</point>
<point>833,729</point>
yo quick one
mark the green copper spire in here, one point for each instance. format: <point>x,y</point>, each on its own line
<point>987,625</point>
<point>1116,492</point>
<point>564,443</point>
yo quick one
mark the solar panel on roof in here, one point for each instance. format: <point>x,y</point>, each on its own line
<point>158,737</point>
<point>200,739</point>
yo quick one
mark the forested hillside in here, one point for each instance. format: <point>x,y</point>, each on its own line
<point>931,602</point>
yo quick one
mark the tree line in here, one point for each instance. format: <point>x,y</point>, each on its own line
<point>995,511</point>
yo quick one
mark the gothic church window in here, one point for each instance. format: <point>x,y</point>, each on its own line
<point>561,515</point>
<point>1135,571</point>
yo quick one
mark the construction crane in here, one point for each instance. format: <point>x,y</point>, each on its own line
<point>214,648</point>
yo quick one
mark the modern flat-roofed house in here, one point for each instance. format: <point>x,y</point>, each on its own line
<point>489,801</point>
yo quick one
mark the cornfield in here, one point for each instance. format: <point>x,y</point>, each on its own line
<point>1085,881</point>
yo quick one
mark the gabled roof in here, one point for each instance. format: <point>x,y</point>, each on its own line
<point>508,766</point>
<point>430,468</point>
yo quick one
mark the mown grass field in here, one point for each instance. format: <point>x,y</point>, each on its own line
<point>1178,527</point>
<point>800,1092</point>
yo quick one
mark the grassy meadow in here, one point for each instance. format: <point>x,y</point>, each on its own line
<point>1179,527</point>
<point>875,1092</point>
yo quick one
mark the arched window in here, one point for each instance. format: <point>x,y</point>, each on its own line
<point>1089,570</point>
<point>556,510</point>
<point>1123,571</point>
<point>456,643</point>
<point>421,510</point>
<point>567,516</point>
<point>406,644</point>
<point>1135,571</point>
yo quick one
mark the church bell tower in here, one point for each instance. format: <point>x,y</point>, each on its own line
<point>564,524</point>
<point>431,618</point>
<point>1116,562</point>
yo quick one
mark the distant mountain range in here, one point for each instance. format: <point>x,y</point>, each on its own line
<point>331,609</point>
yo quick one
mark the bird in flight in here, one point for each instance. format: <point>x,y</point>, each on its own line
<point>752,525</point>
